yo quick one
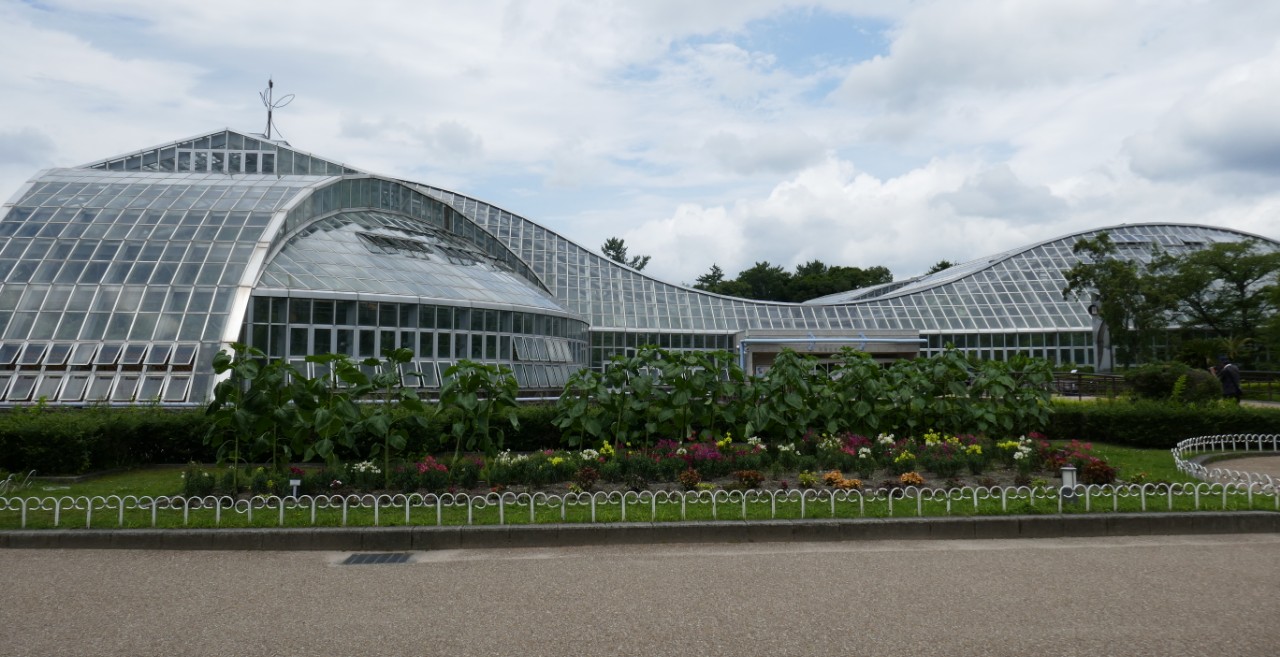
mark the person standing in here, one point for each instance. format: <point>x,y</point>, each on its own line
<point>1229,375</point>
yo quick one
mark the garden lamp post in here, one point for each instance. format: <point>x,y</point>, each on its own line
<point>1068,490</point>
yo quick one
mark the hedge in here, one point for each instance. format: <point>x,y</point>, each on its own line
<point>74,441</point>
<point>1155,424</point>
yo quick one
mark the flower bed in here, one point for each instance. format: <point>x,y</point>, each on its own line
<point>814,461</point>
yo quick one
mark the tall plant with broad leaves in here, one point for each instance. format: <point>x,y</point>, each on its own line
<point>946,391</point>
<point>327,406</point>
<point>1028,401</point>
<point>628,389</point>
<point>857,384</point>
<point>481,393</point>
<point>381,421</point>
<point>783,398</point>
<point>576,416</point>
<point>904,407</point>
<point>252,410</point>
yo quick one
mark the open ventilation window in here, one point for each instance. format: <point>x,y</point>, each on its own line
<point>82,355</point>
<point>32,354</point>
<point>58,353</point>
<point>108,354</point>
<point>8,353</point>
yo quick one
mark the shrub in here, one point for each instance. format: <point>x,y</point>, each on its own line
<point>1097,472</point>
<point>689,479</point>
<point>1155,380</point>
<point>848,484</point>
<point>197,482</point>
<point>748,479</point>
<point>636,482</point>
<point>586,477</point>
<point>911,479</point>
<point>1156,424</point>
<point>432,475</point>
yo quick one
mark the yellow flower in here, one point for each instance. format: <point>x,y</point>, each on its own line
<point>974,449</point>
<point>555,460</point>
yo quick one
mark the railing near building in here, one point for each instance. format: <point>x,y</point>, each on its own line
<point>1258,385</point>
<point>1080,385</point>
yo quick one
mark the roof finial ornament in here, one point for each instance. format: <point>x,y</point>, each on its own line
<point>271,104</point>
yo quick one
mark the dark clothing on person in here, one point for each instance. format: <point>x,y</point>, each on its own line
<point>1229,375</point>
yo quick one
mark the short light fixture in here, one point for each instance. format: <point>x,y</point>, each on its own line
<point>1068,491</point>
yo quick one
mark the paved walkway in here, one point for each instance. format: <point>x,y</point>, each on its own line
<point>1267,465</point>
<point>1167,595</point>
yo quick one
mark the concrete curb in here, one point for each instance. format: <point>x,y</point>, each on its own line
<point>400,539</point>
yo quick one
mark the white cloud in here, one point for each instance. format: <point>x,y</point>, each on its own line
<point>987,123</point>
<point>778,152</point>
<point>1228,127</point>
<point>997,192</point>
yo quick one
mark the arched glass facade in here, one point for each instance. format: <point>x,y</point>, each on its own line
<point>121,278</point>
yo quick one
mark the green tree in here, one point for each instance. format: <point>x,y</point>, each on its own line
<point>815,279</point>
<point>940,266</point>
<point>764,281</point>
<point>1227,288</point>
<point>1126,302</point>
<point>712,280</point>
<point>615,249</point>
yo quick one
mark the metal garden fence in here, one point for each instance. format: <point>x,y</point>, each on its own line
<point>628,506</point>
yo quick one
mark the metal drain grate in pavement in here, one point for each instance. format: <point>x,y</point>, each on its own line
<point>376,558</point>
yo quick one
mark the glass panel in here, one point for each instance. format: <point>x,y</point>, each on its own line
<point>32,354</point>
<point>430,378</point>
<point>108,354</point>
<point>23,386</point>
<point>8,352</point>
<point>58,355</point>
<point>82,355</point>
<point>74,390</point>
<point>183,354</point>
<point>125,389</point>
<point>176,390</point>
<point>159,354</point>
<point>151,387</point>
<point>133,354</point>
<point>48,389</point>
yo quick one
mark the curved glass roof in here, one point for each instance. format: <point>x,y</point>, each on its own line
<point>96,255</point>
<point>1019,290</point>
<point>377,252</point>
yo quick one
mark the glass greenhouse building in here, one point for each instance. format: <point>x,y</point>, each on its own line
<point>120,279</point>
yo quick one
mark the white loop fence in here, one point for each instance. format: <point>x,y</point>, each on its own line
<point>630,506</point>
<point>1232,445</point>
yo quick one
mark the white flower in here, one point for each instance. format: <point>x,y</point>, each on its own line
<point>885,439</point>
<point>680,451</point>
<point>1020,455</point>
<point>590,455</point>
<point>789,447</point>
<point>753,441</point>
<point>864,452</point>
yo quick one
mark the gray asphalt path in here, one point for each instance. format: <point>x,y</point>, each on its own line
<point>1268,465</point>
<point>1168,595</point>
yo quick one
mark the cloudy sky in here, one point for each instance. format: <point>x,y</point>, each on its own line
<point>729,131</point>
